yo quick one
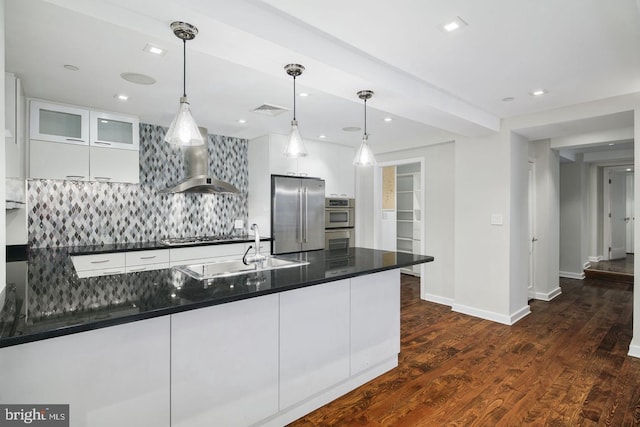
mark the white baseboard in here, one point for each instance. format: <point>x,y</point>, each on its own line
<point>572,275</point>
<point>596,258</point>
<point>634,348</point>
<point>548,296</point>
<point>438,299</point>
<point>493,316</point>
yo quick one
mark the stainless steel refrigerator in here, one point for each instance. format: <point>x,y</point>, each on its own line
<point>297,214</point>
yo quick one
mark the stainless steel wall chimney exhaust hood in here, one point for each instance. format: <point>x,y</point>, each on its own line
<point>197,178</point>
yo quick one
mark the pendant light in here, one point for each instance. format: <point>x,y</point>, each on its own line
<point>183,129</point>
<point>294,146</point>
<point>364,155</point>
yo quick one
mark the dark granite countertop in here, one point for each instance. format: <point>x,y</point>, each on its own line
<point>44,297</point>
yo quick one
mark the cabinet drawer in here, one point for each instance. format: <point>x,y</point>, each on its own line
<point>208,251</point>
<point>147,257</point>
<point>147,267</point>
<point>54,160</point>
<point>101,272</point>
<point>99,261</point>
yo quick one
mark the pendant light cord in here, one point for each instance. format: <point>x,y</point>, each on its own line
<point>294,97</point>
<point>365,116</point>
<point>184,68</point>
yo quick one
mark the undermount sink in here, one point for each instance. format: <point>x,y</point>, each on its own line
<point>234,267</point>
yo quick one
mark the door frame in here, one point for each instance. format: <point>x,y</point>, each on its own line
<point>531,288</point>
<point>606,198</point>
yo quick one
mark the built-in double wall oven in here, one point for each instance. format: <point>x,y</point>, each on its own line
<point>339,223</point>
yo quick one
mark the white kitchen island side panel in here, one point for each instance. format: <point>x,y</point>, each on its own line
<point>116,376</point>
<point>314,340</point>
<point>224,364</point>
<point>375,319</point>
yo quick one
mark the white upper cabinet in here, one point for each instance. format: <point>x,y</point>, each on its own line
<point>114,131</point>
<point>59,123</point>
<point>75,143</point>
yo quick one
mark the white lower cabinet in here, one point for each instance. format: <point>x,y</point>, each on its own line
<point>314,340</point>
<point>375,319</point>
<point>224,364</point>
<point>115,376</point>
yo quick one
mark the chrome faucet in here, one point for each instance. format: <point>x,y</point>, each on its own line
<point>257,258</point>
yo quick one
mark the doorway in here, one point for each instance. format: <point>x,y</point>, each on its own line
<point>618,212</point>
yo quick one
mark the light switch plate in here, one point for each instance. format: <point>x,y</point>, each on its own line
<point>496,219</point>
<point>238,224</point>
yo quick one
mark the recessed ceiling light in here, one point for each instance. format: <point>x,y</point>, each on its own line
<point>303,94</point>
<point>156,50</point>
<point>454,24</point>
<point>121,96</point>
<point>140,79</point>
<point>351,129</point>
<point>629,169</point>
<point>242,121</point>
<point>539,92</point>
<point>104,121</point>
<point>508,99</point>
<point>322,136</point>
<point>388,119</point>
<point>71,67</point>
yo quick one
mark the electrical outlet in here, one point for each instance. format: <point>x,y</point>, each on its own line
<point>238,224</point>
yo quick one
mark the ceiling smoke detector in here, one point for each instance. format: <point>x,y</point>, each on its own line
<point>269,110</point>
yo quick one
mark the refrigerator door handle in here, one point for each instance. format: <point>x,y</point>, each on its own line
<point>299,228</point>
<point>306,213</point>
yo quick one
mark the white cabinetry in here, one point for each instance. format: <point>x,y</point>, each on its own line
<point>114,165</point>
<point>115,376</point>
<point>154,259</point>
<point>120,262</point>
<point>56,160</point>
<point>314,340</point>
<point>59,123</point>
<point>375,319</point>
<point>75,143</point>
<point>224,364</point>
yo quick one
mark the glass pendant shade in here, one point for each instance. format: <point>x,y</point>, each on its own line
<point>364,155</point>
<point>295,146</point>
<point>183,129</point>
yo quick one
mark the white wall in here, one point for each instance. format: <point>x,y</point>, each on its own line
<point>634,347</point>
<point>3,237</point>
<point>518,226</point>
<point>573,240</point>
<point>482,249</point>
<point>546,284</point>
<point>438,216</point>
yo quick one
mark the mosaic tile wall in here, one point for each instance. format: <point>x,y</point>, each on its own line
<point>72,213</point>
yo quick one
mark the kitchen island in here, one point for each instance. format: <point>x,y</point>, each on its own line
<point>161,348</point>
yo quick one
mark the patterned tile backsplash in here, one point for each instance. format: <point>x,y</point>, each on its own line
<point>73,213</point>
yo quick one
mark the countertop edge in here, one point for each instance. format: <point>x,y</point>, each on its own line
<point>69,330</point>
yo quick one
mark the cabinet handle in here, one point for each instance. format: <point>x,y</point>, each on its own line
<point>291,173</point>
<point>148,257</point>
<point>76,176</point>
<point>75,139</point>
<point>100,262</point>
<point>343,195</point>
<point>102,178</point>
<point>133,270</point>
<point>101,142</point>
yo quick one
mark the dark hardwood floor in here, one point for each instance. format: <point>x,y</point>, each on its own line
<point>565,364</point>
<point>619,270</point>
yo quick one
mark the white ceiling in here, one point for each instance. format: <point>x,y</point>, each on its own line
<point>429,81</point>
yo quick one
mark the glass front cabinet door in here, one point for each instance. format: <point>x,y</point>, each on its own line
<point>110,130</point>
<point>59,123</point>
